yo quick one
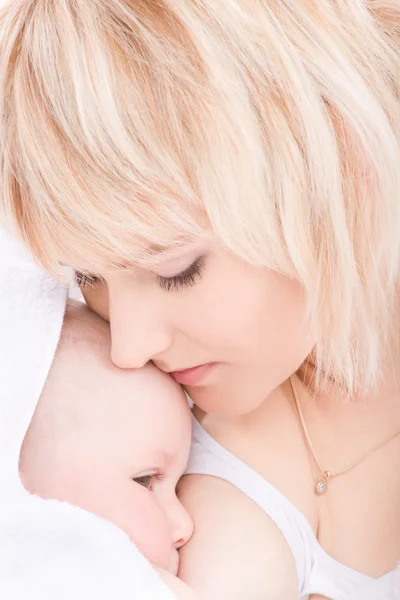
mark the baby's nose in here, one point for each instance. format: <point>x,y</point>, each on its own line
<point>183,527</point>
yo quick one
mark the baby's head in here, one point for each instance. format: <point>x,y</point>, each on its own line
<point>114,442</point>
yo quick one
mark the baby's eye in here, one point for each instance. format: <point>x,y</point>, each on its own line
<point>148,480</point>
<point>144,480</point>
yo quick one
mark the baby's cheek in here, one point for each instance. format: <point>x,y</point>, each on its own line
<point>147,526</point>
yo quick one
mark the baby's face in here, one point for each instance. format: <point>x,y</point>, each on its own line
<point>117,446</point>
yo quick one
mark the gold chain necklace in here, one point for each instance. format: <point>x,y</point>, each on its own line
<point>325,476</point>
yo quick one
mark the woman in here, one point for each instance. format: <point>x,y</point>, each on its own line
<point>224,178</point>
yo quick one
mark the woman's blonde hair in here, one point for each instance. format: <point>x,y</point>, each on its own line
<point>274,125</point>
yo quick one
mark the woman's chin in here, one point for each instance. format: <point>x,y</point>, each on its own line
<point>215,401</point>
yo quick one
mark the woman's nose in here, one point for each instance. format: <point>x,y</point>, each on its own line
<point>183,527</point>
<point>139,332</point>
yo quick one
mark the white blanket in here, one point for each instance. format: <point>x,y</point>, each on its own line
<point>49,550</point>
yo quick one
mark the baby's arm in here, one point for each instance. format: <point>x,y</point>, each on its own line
<point>236,552</point>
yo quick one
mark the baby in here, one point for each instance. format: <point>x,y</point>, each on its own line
<point>113,442</point>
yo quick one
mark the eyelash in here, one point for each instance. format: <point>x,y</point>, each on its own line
<point>82,280</point>
<point>149,479</point>
<point>169,284</point>
<point>185,279</point>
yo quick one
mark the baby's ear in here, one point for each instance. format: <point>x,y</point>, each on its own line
<point>180,590</point>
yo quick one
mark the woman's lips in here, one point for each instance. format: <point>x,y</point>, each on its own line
<point>194,375</point>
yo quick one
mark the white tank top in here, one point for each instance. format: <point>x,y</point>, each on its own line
<point>318,572</point>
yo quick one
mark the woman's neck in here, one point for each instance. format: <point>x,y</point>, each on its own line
<point>387,388</point>
<point>382,402</point>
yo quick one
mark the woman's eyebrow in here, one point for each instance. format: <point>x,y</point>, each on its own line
<point>156,250</point>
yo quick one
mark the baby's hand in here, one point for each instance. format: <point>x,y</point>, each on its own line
<point>178,587</point>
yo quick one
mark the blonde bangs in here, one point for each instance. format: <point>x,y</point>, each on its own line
<point>273,126</point>
<point>83,165</point>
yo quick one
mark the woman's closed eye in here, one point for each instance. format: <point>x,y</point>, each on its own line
<point>82,280</point>
<point>186,278</point>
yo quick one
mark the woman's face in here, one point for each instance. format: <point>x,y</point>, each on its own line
<point>228,331</point>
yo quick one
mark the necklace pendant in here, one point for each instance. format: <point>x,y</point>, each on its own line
<point>320,488</point>
<point>322,485</point>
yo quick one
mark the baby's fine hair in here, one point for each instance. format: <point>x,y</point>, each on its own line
<point>273,126</point>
